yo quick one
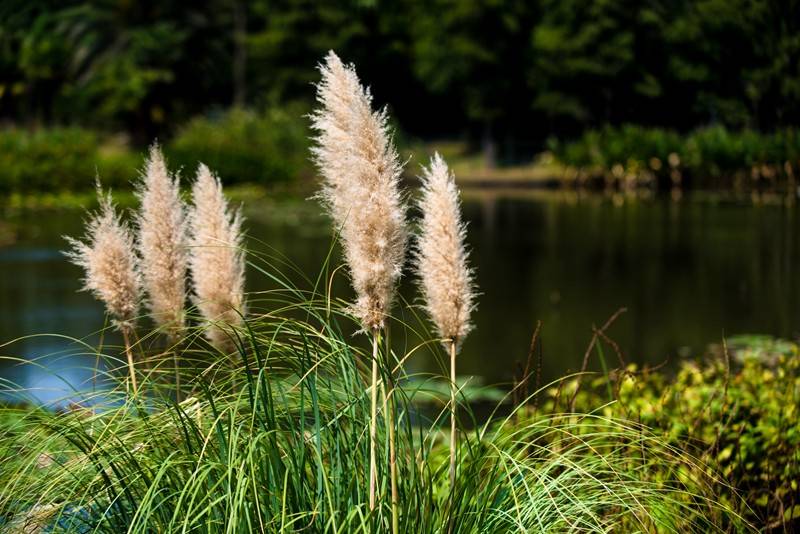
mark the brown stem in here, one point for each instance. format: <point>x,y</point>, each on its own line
<point>588,353</point>
<point>373,474</point>
<point>129,354</point>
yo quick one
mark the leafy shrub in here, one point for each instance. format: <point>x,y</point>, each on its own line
<point>244,146</point>
<point>743,423</point>
<point>61,159</point>
<point>707,153</point>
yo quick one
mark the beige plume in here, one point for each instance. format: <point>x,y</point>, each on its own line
<point>216,257</point>
<point>108,257</point>
<point>361,190</point>
<point>441,257</point>
<point>445,277</point>
<point>162,243</point>
<point>361,171</point>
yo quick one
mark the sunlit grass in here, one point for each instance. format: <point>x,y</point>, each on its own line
<point>274,438</point>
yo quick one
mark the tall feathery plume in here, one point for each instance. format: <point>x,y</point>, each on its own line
<point>107,256</point>
<point>162,245</point>
<point>445,277</point>
<point>361,172</point>
<point>216,258</point>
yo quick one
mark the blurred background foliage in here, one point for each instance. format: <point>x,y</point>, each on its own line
<point>503,75</point>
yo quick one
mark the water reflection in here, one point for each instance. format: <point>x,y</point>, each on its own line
<point>688,268</point>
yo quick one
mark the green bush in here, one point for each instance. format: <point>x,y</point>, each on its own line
<point>61,159</point>
<point>711,153</point>
<point>743,423</point>
<point>244,146</point>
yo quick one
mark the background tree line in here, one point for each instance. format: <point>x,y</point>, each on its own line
<point>503,73</point>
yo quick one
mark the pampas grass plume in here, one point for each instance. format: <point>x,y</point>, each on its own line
<point>107,256</point>
<point>216,257</point>
<point>361,171</point>
<point>445,278</point>
<point>441,258</point>
<point>162,243</point>
<point>361,174</point>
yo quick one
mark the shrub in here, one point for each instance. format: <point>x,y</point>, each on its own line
<point>245,146</point>
<point>743,423</point>
<point>707,155</point>
<point>61,159</point>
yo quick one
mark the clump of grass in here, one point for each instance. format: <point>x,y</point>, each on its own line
<point>288,450</point>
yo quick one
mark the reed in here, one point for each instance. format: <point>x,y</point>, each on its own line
<point>216,259</point>
<point>446,280</point>
<point>361,170</point>
<point>162,243</point>
<point>107,256</point>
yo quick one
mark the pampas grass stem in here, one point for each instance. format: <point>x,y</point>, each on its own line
<point>391,414</point>
<point>107,256</point>
<point>373,424</point>
<point>129,354</point>
<point>361,190</point>
<point>162,242</point>
<point>453,435</point>
<point>445,277</point>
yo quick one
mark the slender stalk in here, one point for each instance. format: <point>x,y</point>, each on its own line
<point>453,435</point>
<point>390,410</point>
<point>373,474</point>
<point>129,354</point>
<point>177,375</point>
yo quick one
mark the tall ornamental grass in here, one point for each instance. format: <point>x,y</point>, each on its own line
<point>280,443</point>
<point>271,423</point>
<point>361,190</point>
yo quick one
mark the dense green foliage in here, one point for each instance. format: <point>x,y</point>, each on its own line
<point>707,156</point>
<point>273,438</point>
<point>243,146</point>
<point>62,159</point>
<point>505,70</point>
<point>743,421</point>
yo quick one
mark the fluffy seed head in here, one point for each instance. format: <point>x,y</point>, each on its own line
<point>361,171</point>
<point>441,258</point>
<point>108,258</point>
<point>162,242</point>
<point>216,257</point>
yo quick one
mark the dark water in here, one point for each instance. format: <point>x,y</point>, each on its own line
<point>687,270</point>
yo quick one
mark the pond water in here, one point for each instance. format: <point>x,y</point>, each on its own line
<point>688,270</point>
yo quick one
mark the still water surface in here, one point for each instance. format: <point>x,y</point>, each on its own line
<point>686,270</point>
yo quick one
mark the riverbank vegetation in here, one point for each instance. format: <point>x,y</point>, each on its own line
<point>266,148</point>
<point>707,158</point>
<point>735,410</point>
<point>270,150</point>
<point>288,409</point>
<point>696,79</point>
<point>274,438</point>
